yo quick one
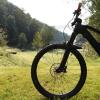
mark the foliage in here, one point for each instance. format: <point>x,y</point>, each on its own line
<point>3,37</point>
<point>94,21</point>
<point>12,30</point>
<point>89,51</point>
<point>22,41</point>
<point>17,21</point>
<point>95,17</point>
<point>37,41</point>
<point>47,34</point>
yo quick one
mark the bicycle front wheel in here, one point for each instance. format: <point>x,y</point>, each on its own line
<point>61,85</point>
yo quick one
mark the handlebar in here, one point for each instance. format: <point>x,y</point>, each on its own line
<point>79,6</point>
<point>78,11</point>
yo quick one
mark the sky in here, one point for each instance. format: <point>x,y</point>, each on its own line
<point>56,13</point>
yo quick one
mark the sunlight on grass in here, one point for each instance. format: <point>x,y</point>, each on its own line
<point>16,83</point>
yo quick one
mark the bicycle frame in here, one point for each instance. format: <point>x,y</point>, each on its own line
<point>83,29</point>
<point>80,29</point>
<point>91,39</point>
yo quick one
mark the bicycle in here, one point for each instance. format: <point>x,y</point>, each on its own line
<point>54,77</point>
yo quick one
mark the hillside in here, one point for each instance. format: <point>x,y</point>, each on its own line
<point>21,28</point>
<point>59,38</point>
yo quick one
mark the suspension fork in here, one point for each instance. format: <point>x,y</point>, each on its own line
<point>62,66</point>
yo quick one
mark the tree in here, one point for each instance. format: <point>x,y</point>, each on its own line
<point>94,20</point>
<point>38,41</point>
<point>22,41</point>
<point>3,12</point>
<point>12,30</point>
<point>3,37</point>
<point>47,34</point>
<point>33,28</point>
<point>17,21</point>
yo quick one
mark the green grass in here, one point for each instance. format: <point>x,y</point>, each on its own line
<point>16,84</point>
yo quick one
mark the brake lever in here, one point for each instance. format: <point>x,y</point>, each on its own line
<point>77,13</point>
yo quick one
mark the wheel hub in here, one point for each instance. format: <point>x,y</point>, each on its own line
<point>57,72</point>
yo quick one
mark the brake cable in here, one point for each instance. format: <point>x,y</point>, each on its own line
<point>67,25</point>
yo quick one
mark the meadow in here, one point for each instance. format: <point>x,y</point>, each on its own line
<point>16,83</point>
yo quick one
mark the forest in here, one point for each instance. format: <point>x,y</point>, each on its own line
<point>24,32</point>
<point>21,30</point>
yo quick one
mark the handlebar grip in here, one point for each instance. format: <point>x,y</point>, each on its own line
<point>79,6</point>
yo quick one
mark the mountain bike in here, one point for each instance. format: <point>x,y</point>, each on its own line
<point>59,70</point>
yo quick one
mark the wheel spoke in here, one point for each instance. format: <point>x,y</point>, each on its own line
<point>60,83</point>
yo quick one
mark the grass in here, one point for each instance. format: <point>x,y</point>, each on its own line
<point>16,84</point>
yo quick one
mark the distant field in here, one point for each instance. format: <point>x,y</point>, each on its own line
<point>16,84</point>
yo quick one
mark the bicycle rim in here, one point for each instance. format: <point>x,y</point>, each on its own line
<point>64,84</point>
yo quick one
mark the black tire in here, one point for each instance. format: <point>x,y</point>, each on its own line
<point>45,92</point>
